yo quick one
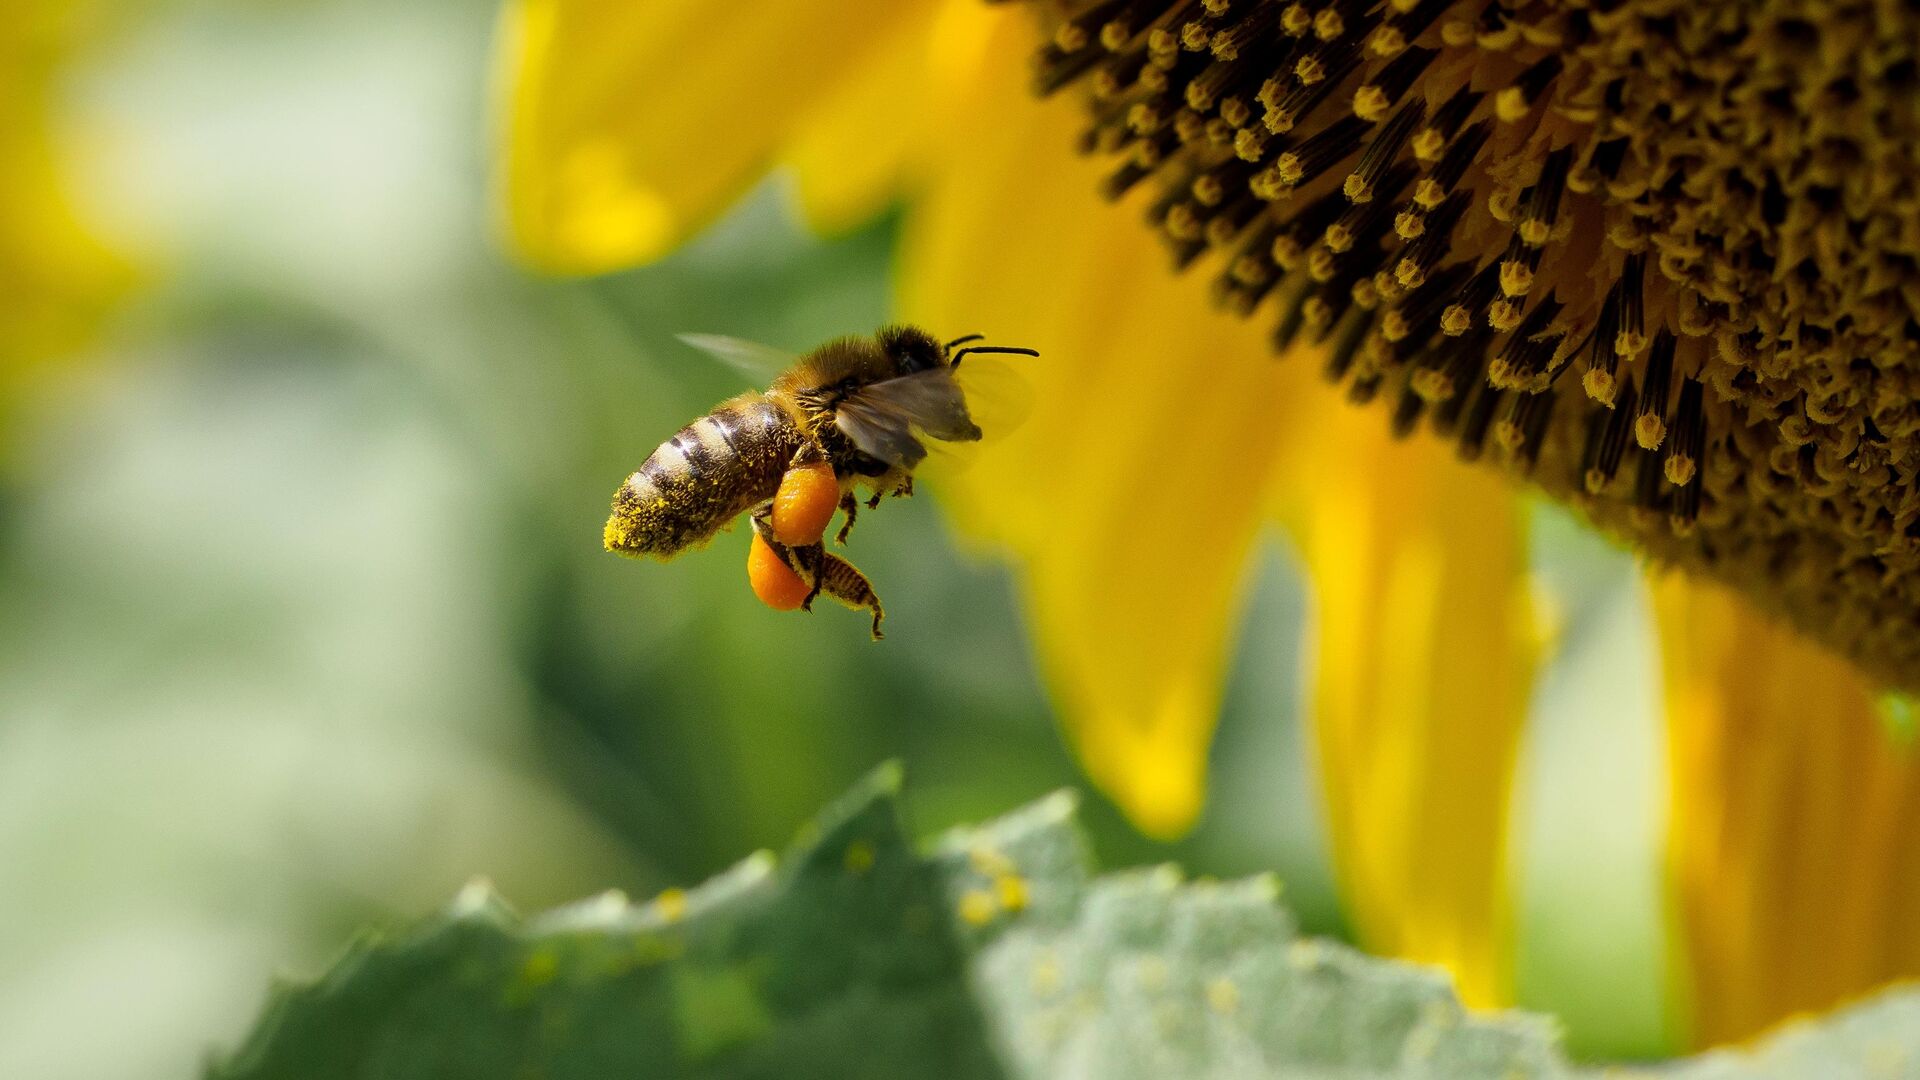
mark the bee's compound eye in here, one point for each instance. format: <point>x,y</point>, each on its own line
<point>773,581</point>
<point>807,498</point>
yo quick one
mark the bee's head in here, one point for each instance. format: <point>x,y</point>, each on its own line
<point>912,349</point>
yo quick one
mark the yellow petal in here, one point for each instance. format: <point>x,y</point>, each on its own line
<point>855,148</point>
<point>1792,851</point>
<point>1420,667</point>
<point>1130,497</point>
<point>631,125</point>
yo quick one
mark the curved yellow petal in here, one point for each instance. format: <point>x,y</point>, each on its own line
<point>628,126</point>
<point>1792,853</point>
<point>1130,497</point>
<point>1422,656</point>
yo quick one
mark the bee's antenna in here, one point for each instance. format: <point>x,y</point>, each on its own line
<point>964,340</point>
<point>962,354</point>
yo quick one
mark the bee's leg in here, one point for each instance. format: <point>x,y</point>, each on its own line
<point>905,489</point>
<point>803,561</point>
<point>844,582</point>
<point>849,506</point>
<point>874,503</point>
<point>812,558</point>
<point>826,572</point>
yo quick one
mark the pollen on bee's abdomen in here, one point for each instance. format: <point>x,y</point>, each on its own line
<point>1665,252</point>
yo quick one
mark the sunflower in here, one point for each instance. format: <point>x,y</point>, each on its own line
<point>1446,207</point>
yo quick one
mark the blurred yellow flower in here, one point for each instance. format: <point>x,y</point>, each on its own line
<point>630,126</point>
<point>54,275</point>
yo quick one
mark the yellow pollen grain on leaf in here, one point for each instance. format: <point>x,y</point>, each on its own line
<point>1223,996</point>
<point>1011,891</point>
<point>671,904</point>
<point>859,857</point>
<point>977,908</point>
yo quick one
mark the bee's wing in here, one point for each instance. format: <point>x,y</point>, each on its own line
<point>999,395</point>
<point>758,362</point>
<point>888,419</point>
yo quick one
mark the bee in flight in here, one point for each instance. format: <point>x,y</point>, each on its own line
<point>853,415</point>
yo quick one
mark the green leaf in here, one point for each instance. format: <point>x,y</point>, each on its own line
<point>996,954</point>
<point>836,963</point>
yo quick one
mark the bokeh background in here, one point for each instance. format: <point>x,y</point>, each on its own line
<point>305,620</point>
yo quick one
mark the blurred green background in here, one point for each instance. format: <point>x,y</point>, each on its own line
<point>307,620</point>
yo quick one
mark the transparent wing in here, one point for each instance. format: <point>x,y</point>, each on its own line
<point>889,419</point>
<point>758,362</point>
<point>998,394</point>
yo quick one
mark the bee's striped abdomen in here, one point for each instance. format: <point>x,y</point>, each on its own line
<point>709,473</point>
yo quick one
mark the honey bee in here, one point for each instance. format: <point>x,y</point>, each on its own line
<point>854,414</point>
